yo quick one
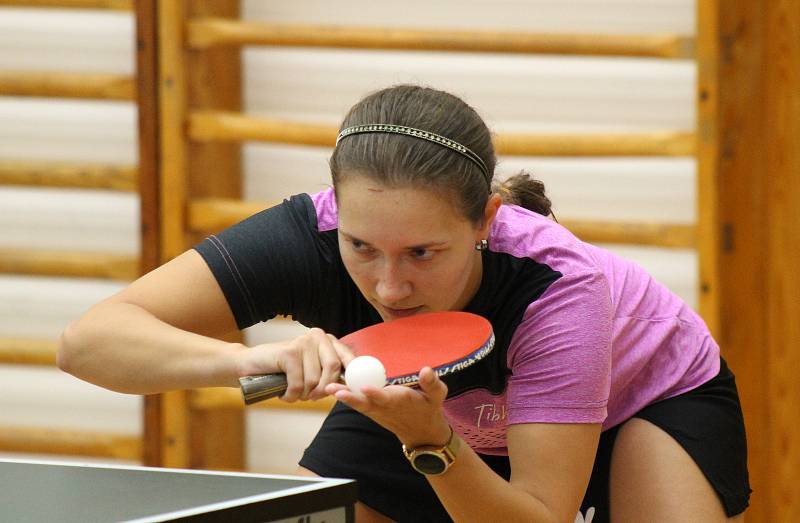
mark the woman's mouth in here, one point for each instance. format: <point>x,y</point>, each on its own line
<point>401,313</point>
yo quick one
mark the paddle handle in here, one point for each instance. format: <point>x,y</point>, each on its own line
<point>263,387</point>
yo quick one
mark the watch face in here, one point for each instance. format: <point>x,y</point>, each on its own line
<point>429,462</point>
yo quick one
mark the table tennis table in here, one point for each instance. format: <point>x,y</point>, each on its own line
<point>82,492</point>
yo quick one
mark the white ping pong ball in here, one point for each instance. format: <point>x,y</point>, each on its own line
<point>364,370</point>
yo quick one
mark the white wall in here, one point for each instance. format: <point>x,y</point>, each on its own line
<point>513,93</point>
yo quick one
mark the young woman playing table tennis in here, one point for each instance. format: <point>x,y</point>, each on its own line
<point>604,392</point>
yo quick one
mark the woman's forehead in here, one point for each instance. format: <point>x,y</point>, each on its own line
<point>367,207</point>
<point>358,184</point>
<point>360,194</point>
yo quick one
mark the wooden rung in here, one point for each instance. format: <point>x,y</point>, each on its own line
<point>208,32</point>
<point>67,85</point>
<point>678,236</point>
<point>215,214</point>
<point>116,5</point>
<point>206,126</point>
<point>69,263</point>
<point>212,214</point>
<point>28,351</point>
<point>671,143</point>
<point>221,398</point>
<point>70,442</point>
<point>69,175</point>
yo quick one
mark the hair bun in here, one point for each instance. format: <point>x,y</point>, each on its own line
<point>524,190</point>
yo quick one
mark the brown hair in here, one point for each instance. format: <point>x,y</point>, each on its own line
<point>397,160</point>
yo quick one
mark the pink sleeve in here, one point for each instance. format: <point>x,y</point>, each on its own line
<point>560,355</point>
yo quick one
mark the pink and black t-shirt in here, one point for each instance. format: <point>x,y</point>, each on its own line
<point>582,336</point>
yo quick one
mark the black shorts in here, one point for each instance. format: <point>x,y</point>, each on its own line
<point>706,421</point>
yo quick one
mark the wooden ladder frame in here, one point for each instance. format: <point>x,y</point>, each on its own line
<point>747,61</point>
<point>194,37</point>
<point>747,147</point>
<point>43,262</point>
<point>749,192</point>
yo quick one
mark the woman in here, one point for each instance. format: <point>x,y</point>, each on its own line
<point>604,393</point>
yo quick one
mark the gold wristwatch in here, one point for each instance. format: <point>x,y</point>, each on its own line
<point>432,460</point>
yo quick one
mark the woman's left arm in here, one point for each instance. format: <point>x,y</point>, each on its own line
<point>550,468</point>
<point>551,463</point>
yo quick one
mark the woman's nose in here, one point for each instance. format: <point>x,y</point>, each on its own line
<point>392,287</point>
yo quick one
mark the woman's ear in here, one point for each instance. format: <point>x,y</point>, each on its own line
<point>489,213</point>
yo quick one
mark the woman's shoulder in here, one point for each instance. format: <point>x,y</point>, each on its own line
<point>522,233</point>
<point>324,203</point>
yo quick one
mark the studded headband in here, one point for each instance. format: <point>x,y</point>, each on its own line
<point>417,133</point>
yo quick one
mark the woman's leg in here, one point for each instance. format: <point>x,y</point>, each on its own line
<point>654,479</point>
<point>364,514</point>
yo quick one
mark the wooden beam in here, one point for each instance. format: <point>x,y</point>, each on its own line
<point>115,5</point>
<point>187,78</point>
<point>147,104</point>
<point>210,32</point>
<point>741,226</point>
<point>214,77</point>
<point>708,150</point>
<point>214,82</point>
<point>677,236</point>
<point>214,214</point>
<point>172,108</point>
<point>67,85</point>
<point>781,186</point>
<point>758,188</point>
<point>28,351</point>
<point>68,175</point>
<point>69,263</point>
<point>666,143</point>
<point>173,424</point>
<point>175,429</point>
<point>209,126</point>
<point>148,134</point>
<point>70,442</point>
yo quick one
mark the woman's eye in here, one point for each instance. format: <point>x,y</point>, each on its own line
<point>422,254</point>
<point>360,246</point>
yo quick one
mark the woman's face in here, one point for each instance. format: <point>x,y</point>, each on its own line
<point>408,250</point>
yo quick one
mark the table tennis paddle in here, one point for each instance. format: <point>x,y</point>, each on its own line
<point>445,341</point>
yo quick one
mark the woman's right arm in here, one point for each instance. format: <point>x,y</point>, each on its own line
<point>160,333</point>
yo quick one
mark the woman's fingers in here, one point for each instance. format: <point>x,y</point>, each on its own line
<point>431,385</point>
<point>330,364</point>
<point>311,362</point>
<point>292,365</point>
<point>344,353</point>
<point>300,362</point>
<point>413,415</point>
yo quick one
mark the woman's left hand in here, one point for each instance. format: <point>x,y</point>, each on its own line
<point>414,415</point>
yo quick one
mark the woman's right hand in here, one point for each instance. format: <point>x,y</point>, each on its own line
<point>310,361</point>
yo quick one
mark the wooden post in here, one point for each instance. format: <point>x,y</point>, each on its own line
<point>708,243</point>
<point>150,257</point>
<point>178,81</point>
<point>162,110</point>
<point>213,81</point>
<point>147,105</point>
<point>757,183</point>
<point>162,159</point>
<point>781,180</point>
